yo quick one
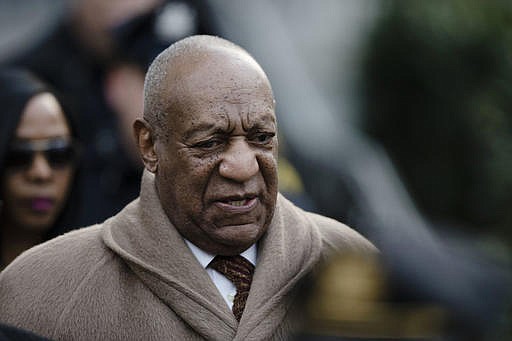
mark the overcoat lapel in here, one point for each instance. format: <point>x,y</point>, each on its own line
<point>197,309</point>
<point>286,255</point>
<point>143,236</point>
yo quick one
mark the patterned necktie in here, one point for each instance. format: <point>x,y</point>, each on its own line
<point>239,271</point>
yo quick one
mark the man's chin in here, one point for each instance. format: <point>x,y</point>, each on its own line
<point>239,237</point>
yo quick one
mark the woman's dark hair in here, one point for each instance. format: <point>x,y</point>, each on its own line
<point>17,87</point>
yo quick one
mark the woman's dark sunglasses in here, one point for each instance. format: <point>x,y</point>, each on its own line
<point>58,152</point>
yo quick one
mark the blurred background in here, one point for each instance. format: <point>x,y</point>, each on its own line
<point>395,118</point>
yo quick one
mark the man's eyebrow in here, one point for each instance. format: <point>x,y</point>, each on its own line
<point>262,122</point>
<point>202,128</point>
<point>260,126</point>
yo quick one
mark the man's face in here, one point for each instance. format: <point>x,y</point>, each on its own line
<point>217,168</point>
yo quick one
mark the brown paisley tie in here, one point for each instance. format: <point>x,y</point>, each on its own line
<point>239,271</point>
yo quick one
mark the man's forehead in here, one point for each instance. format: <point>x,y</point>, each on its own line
<point>197,111</point>
<point>215,83</point>
<point>227,66</point>
<point>250,102</point>
<point>242,95</point>
<point>212,84</point>
<point>220,109</point>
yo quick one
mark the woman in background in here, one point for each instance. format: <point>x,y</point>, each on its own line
<point>38,159</point>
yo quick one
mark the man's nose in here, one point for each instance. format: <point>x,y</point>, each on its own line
<point>239,162</point>
<point>40,169</point>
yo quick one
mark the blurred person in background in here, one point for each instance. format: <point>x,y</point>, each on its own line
<point>38,164</point>
<point>97,56</point>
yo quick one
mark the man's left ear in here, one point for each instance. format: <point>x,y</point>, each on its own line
<point>146,144</point>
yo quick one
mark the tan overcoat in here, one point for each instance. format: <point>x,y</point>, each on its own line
<point>134,278</point>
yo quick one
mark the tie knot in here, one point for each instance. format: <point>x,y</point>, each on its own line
<point>236,268</point>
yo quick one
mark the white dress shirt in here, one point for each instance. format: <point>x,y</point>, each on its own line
<point>226,288</point>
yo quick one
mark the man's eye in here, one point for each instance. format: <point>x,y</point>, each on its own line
<point>264,138</point>
<point>208,144</point>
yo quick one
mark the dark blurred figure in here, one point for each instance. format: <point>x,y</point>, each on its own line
<point>38,164</point>
<point>97,57</point>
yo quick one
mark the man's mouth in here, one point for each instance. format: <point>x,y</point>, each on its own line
<point>238,205</point>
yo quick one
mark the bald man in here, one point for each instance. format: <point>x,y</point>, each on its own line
<point>210,249</point>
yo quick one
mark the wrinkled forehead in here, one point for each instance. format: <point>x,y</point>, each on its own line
<point>218,80</point>
<point>216,69</point>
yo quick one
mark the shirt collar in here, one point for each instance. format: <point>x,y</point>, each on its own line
<point>204,258</point>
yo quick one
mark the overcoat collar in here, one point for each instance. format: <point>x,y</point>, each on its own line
<point>144,237</point>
